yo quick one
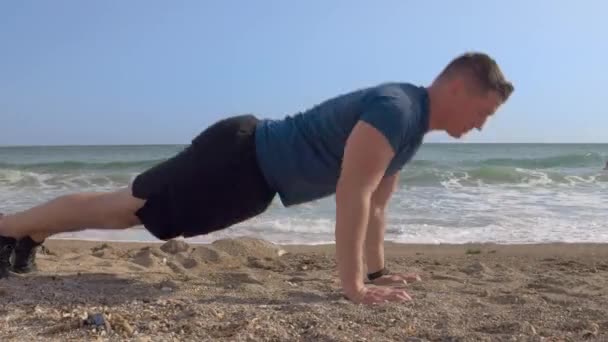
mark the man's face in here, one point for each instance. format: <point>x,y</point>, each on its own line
<point>470,109</point>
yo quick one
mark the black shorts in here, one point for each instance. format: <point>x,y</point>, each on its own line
<point>212,184</point>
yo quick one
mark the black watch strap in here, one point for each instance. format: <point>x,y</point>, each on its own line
<point>373,276</point>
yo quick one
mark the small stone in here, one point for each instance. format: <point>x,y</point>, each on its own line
<point>175,267</point>
<point>189,263</point>
<point>410,329</point>
<point>96,320</point>
<point>475,268</point>
<point>98,253</point>
<point>174,246</point>
<point>144,258</point>
<point>528,328</point>
<point>121,325</point>
<point>218,314</point>
<point>167,285</point>
<point>592,330</point>
<point>101,247</point>
<point>45,251</point>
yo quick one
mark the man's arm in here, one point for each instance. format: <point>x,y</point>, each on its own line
<point>374,240</point>
<point>366,157</point>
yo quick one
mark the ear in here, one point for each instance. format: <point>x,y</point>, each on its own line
<point>455,86</point>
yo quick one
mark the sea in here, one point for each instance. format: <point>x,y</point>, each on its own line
<point>450,193</point>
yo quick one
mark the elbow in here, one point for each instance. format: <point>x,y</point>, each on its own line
<point>349,191</point>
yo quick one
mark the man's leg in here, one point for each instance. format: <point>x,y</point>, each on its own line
<point>73,212</point>
<point>22,233</point>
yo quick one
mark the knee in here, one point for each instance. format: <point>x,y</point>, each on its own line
<point>121,210</point>
<point>111,210</point>
<point>124,220</point>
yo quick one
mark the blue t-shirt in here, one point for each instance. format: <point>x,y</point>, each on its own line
<point>301,155</point>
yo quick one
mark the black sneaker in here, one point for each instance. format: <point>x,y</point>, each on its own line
<point>7,245</point>
<point>24,258</point>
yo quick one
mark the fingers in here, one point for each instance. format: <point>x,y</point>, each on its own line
<point>379,295</point>
<point>399,295</point>
<point>398,280</point>
<point>384,295</point>
<point>412,277</point>
<point>409,277</point>
<point>404,296</point>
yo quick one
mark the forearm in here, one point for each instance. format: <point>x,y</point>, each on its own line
<point>352,213</point>
<point>374,242</point>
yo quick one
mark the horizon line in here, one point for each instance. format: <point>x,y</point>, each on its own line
<point>426,143</point>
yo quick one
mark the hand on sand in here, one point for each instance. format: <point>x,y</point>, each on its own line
<point>396,279</point>
<point>379,295</point>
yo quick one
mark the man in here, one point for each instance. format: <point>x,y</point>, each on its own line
<point>353,146</point>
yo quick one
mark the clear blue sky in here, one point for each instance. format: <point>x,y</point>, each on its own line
<point>140,72</point>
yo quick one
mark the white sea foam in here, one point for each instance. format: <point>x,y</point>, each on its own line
<point>423,215</point>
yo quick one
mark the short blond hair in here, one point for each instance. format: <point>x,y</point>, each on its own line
<point>483,69</point>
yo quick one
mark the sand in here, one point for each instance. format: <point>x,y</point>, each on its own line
<point>252,290</point>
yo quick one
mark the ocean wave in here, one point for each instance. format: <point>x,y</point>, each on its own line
<point>559,161</point>
<point>433,177</point>
<point>563,161</point>
<point>567,169</point>
<point>505,175</point>
<point>16,179</point>
<point>76,166</point>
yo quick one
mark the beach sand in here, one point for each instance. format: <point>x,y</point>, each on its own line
<point>249,290</point>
